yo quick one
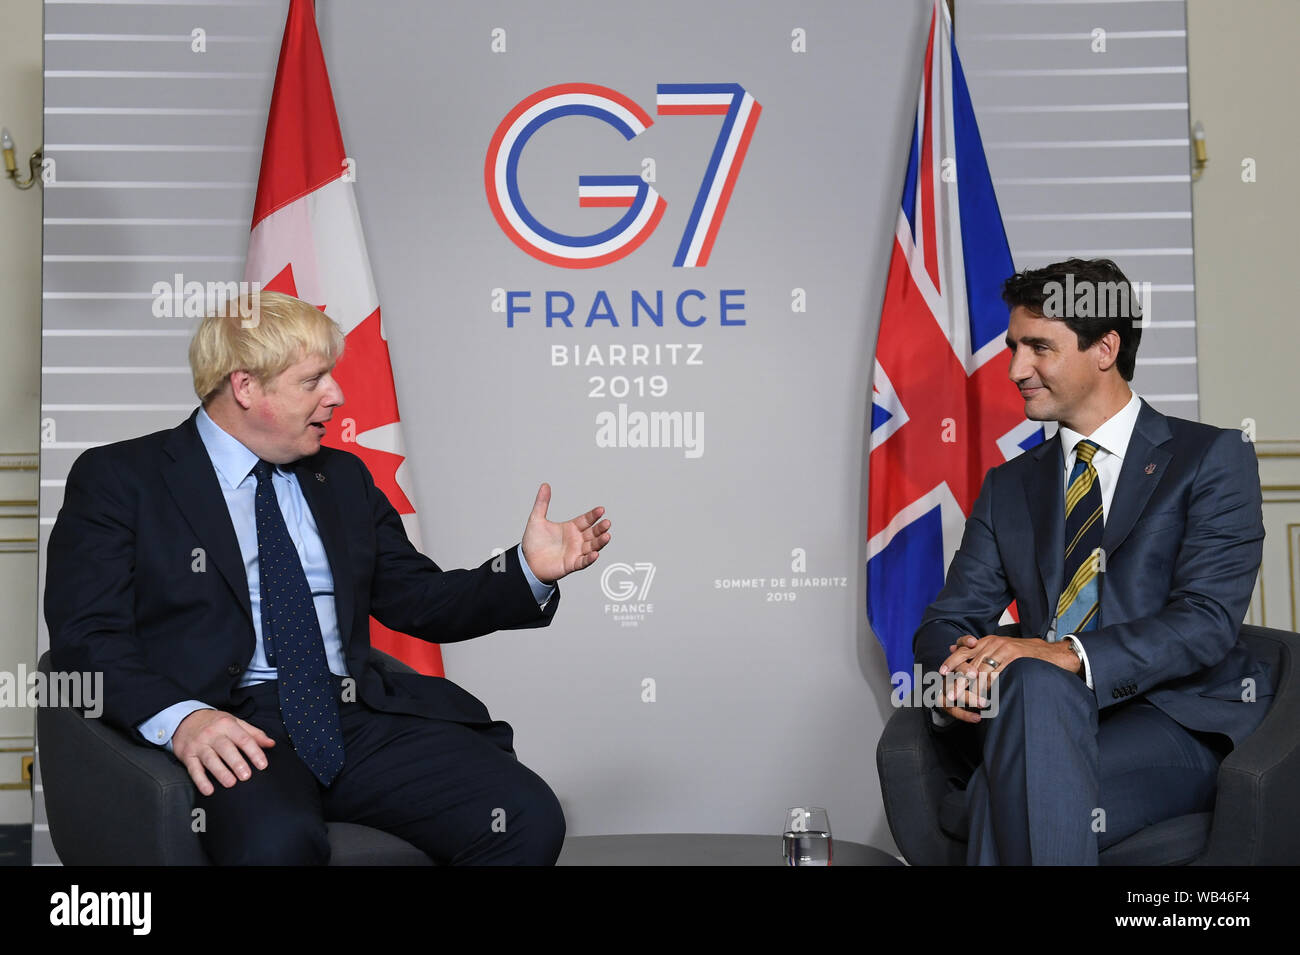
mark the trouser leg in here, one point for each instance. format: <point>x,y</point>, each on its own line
<point>1060,780</point>
<point>457,792</point>
<point>1036,792</point>
<point>274,817</point>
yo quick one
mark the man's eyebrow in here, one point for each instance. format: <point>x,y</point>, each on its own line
<point>1029,340</point>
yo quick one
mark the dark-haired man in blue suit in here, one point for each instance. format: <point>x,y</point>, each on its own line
<point>1130,542</point>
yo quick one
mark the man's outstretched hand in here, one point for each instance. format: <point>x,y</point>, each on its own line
<point>556,550</point>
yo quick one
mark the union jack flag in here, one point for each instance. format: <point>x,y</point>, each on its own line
<point>942,408</point>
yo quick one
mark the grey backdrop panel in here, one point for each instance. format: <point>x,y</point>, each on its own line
<point>760,702</point>
<point>156,150</point>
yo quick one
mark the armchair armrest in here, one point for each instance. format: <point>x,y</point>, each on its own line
<point>109,798</point>
<point>1254,814</point>
<point>913,784</point>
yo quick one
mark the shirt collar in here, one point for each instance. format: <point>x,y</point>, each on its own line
<point>1112,436</point>
<point>232,459</point>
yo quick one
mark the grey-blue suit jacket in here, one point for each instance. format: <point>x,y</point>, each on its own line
<point>1183,542</point>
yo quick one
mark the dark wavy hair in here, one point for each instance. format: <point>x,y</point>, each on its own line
<point>1091,296</point>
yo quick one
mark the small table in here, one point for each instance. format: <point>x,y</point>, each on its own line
<point>696,849</point>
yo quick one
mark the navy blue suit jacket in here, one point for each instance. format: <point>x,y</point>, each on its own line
<point>1182,543</point>
<point>145,583</point>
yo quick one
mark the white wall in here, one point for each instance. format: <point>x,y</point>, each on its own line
<point>1242,74</point>
<point>20,346</point>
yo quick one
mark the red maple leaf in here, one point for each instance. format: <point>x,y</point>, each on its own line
<point>365,374</point>
<point>285,284</point>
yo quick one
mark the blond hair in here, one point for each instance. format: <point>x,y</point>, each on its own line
<point>263,334</point>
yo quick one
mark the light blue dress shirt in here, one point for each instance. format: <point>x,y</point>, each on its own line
<point>234,466</point>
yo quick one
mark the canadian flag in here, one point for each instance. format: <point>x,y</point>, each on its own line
<point>307,242</point>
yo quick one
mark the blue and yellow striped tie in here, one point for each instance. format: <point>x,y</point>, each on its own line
<point>1078,609</point>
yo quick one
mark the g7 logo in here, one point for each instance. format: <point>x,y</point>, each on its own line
<point>626,586</point>
<point>645,207</point>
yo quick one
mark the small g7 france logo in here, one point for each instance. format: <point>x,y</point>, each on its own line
<point>625,586</point>
<point>645,207</point>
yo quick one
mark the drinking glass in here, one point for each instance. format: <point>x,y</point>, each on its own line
<point>806,839</point>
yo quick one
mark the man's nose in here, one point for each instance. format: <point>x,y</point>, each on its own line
<point>1018,370</point>
<point>336,397</point>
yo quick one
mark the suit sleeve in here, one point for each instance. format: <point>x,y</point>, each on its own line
<point>90,593</point>
<point>975,591</point>
<point>1213,576</point>
<point>411,594</point>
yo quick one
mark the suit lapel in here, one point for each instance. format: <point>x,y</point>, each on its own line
<point>1045,491</point>
<point>1143,468</point>
<point>192,482</point>
<point>323,501</point>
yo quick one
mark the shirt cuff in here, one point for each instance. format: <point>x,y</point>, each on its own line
<point>159,729</point>
<point>1083,654</point>
<point>541,592</point>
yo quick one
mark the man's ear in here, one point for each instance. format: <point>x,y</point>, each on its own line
<point>241,388</point>
<point>1107,350</point>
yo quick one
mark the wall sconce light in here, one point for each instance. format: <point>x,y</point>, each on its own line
<point>11,167</point>
<point>1198,145</point>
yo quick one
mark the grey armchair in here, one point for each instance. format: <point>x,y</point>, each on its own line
<point>112,800</point>
<point>1253,822</point>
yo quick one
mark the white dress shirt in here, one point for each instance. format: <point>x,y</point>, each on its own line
<point>1112,439</point>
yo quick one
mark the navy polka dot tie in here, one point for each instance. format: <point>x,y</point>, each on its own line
<point>292,639</point>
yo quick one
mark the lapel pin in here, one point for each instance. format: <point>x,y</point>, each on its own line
<point>320,477</point>
<point>1150,469</point>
